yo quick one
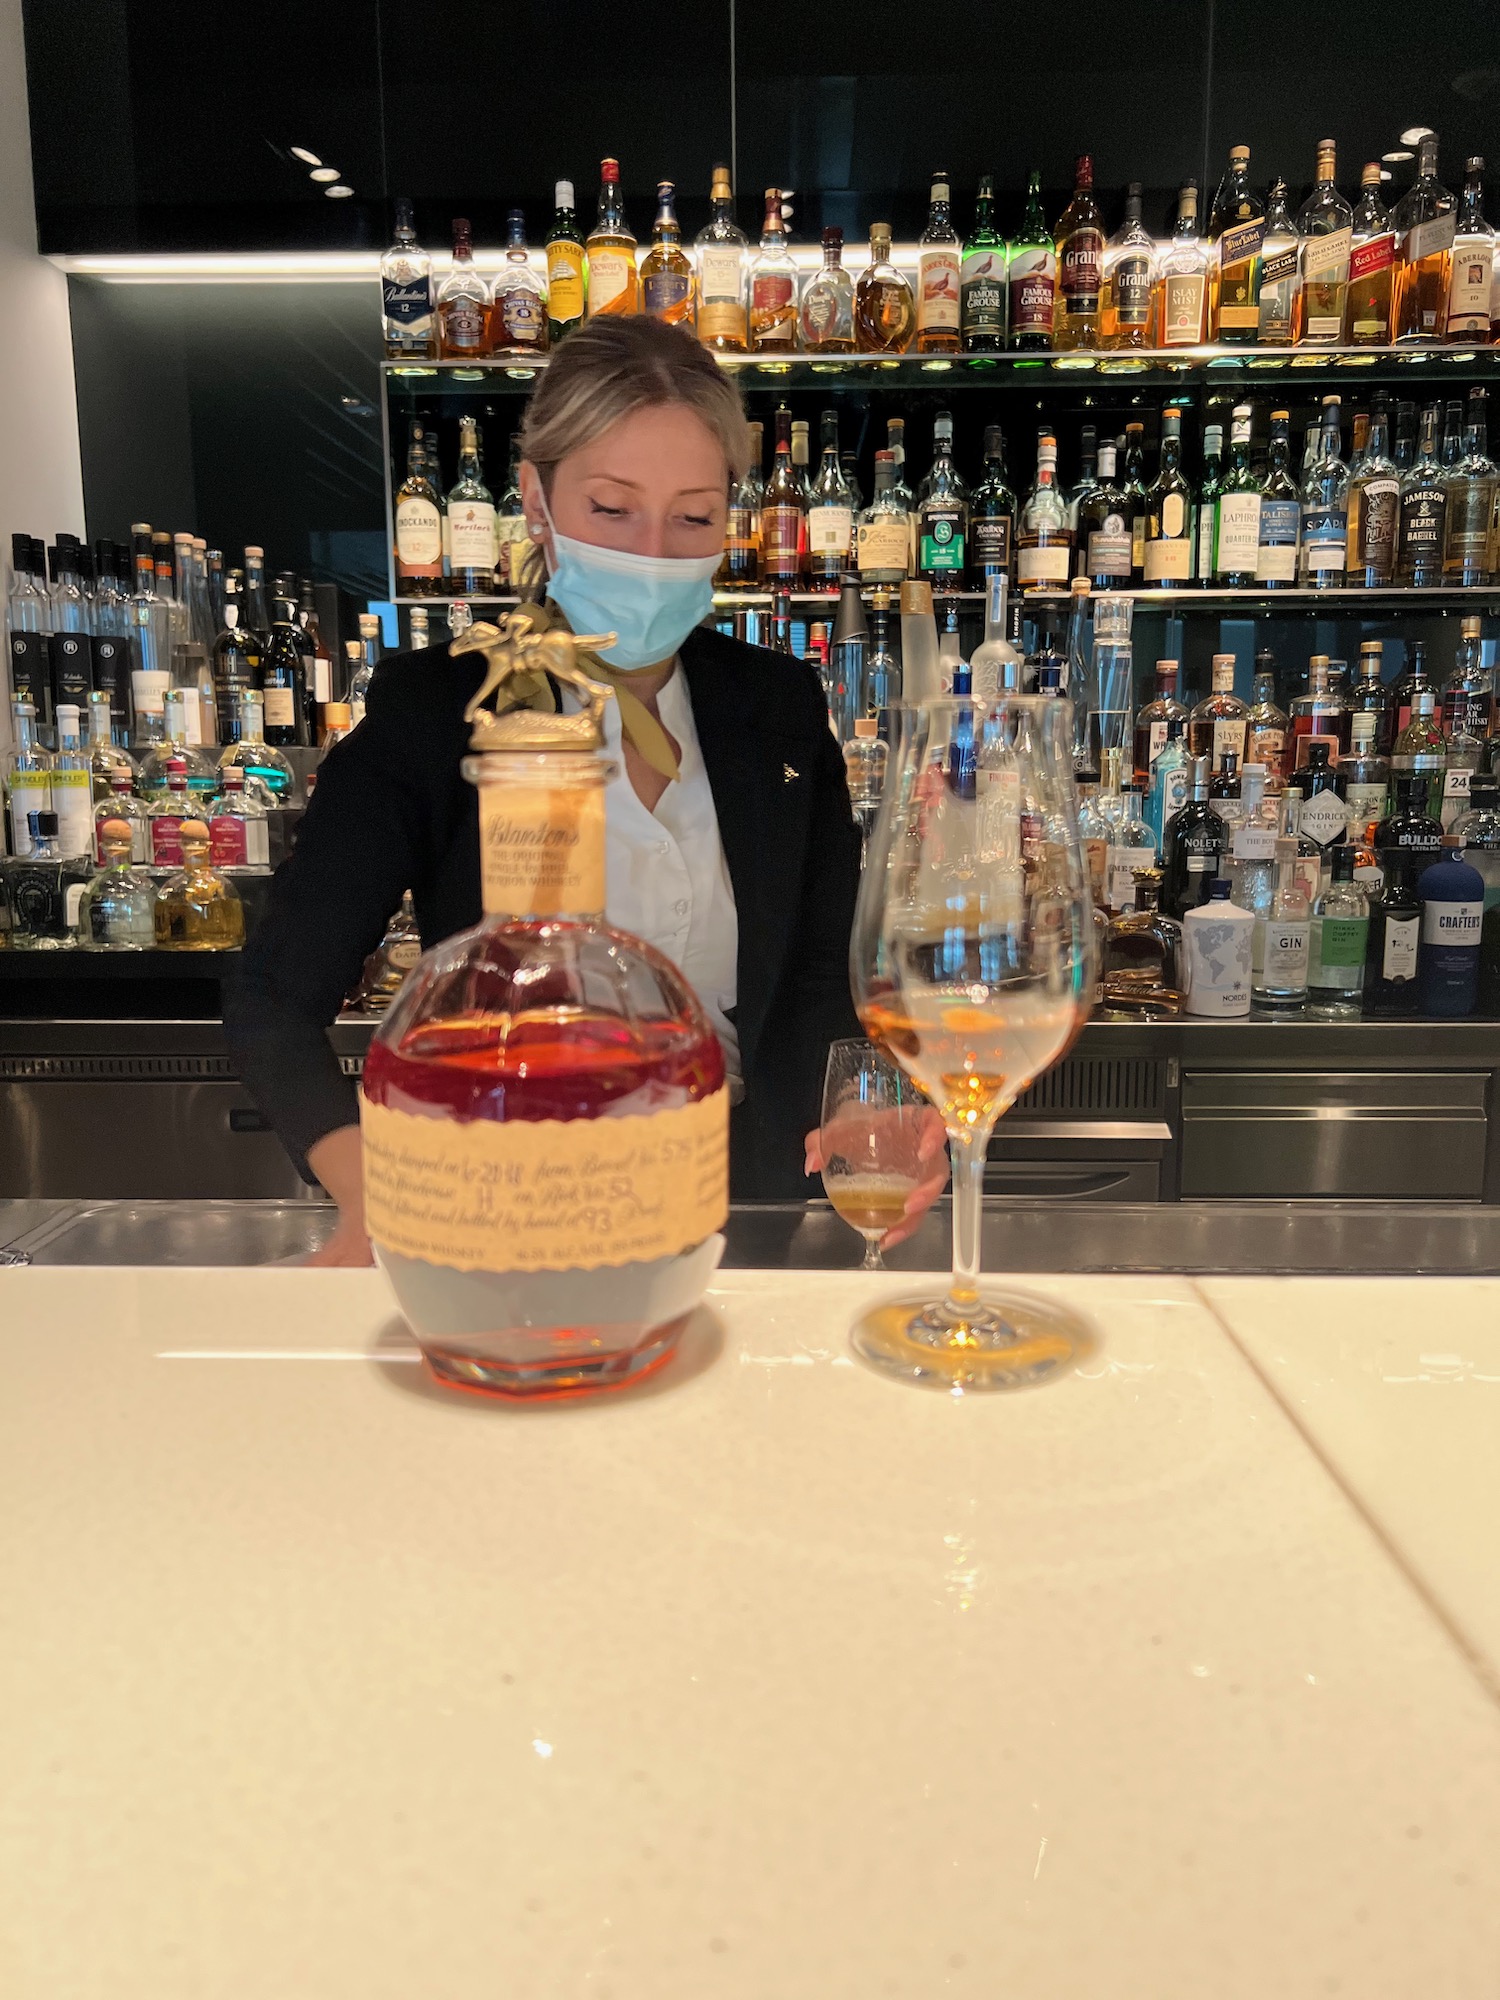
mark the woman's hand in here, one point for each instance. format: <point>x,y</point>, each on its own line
<point>850,1131</point>
<point>337,1163</point>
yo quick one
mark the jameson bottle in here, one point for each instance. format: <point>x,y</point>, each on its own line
<point>982,278</point>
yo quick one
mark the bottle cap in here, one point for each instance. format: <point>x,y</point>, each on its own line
<point>562,194</point>
<point>849,624</point>
<point>43,824</point>
<point>1218,890</point>
<point>916,599</point>
<point>866,727</point>
<point>338,715</point>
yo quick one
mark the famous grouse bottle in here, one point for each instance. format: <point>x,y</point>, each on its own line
<point>544,1113</point>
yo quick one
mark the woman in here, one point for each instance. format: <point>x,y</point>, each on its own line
<point>730,841</point>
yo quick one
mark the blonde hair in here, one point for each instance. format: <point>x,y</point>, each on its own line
<point>611,367</point>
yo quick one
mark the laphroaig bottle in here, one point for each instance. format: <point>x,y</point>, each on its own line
<point>1340,938</point>
<point>1451,893</point>
<point>1217,950</point>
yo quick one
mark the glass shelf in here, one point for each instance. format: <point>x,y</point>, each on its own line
<point>1164,368</point>
<point>1479,598</point>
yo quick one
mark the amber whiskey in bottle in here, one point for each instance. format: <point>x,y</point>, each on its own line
<point>614,283</point>
<point>666,270</point>
<point>1425,221</point>
<point>1325,225</point>
<point>938,275</point>
<point>773,285</point>
<point>783,516</point>
<point>1372,264</point>
<point>1080,264</point>
<point>884,310</point>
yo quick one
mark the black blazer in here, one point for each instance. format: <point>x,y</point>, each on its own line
<point>392,812</point>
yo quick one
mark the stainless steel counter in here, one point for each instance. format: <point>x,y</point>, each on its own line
<point>1044,1235</point>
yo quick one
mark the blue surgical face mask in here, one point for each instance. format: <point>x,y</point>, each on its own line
<point>651,602</point>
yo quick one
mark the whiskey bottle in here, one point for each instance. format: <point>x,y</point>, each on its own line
<point>1404,450</point>
<point>1032,278</point>
<point>1080,259</point>
<point>518,307</point>
<point>386,968</point>
<point>1365,773</point>
<point>884,531</point>
<point>1420,750</point>
<point>1141,954</point>
<point>740,569</point>
<point>563,1090</point>
<point>722,255</point>
<point>1280,528</point>
<point>1153,723</point>
<point>830,514</point>
<point>942,513</point>
<point>513,544</point>
<point>1469,551</point>
<point>1182,279</point>
<point>283,682</point>
<point>1219,722</point>
<point>884,310</point>
<point>1236,232</point>
<point>463,303</point>
<point>1102,536</point>
<point>1137,496</point>
<point>938,276</point>
<point>1370,697</point>
<point>992,516</point>
<point>406,303</point>
<point>1319,716</point>
<point>1237,510</point>
<point>1472,283</point>
<point>1422,529</point>
<point>1424,221</point>
<point>1375,504</point>
<point>773,285</point>
<point>666,270</point>
<point>1208,493</point>
<point>1468,694</point>
<point>981,282</point>
<point>783,516</point>
<point>1046,540</point>
<point>614,284</point>
<point>827,308</point>
<point>419,532</point>
<point>1325,508</point>
<point>1372,259</point>
<point>1325,229</point>
<point>197,909</point>
<point>1168,554</point>
<point>1125,286</point>
<point>471,519</point>
<point>1280,272</point>
<point>566,266</point>
<point>1408,684</point>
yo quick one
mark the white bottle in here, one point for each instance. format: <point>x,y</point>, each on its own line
<point>996,665</point>
<point>1217,953</point>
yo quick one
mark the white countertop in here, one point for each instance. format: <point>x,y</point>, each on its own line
<point>770,1681</point>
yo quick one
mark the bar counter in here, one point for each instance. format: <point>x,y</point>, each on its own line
<point>769,1677</point>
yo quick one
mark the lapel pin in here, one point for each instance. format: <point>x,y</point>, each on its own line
<point>787,774</point>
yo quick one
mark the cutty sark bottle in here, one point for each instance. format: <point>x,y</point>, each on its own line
<point>544,1113</point>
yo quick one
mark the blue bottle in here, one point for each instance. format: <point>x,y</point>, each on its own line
<point>1452,897</point>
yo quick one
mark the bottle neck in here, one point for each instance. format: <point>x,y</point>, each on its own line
<point>541,834</point>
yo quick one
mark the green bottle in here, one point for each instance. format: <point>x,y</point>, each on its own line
<point>567,281</point>
<point>982,287</point>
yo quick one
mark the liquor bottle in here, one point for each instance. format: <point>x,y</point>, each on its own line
<point>1468,694</point>
<point>406,303</point>
<point>614,284</point>
<point>830,514</point>
<point>28,621</point>
<point>1088,480</point>
<point>197,909</point>
<point>1080,258</point>
<point>1137,494</point>
<point>884,310</point>
<point>471,519</point>
<point>782,517</point>
<point>995,667</point>
<point>1181,317</point>
<point>1365,773</point>
<point>1280,524</point>
<point>1319,716</point>
<point>1325,229</point>
<point>518,304</point>
<point>1046,540</point>
<point>1171,780</point>
<point>1142,948</point>
<point>44,889</point>
<point>71,784</point>
<point>1218,956</point>
<point>386,968</point>
<point>865,760</point>
<point>1224,792</point>
<point>1408,684</point>
<point>942,513</point>
<point>1390,986</point>
<point>1479,830</point>
<point>120,804</point>
<point>1128,273</point>
<point>992,515</point>
<point>722,257</point>
<point>463,303</point>
<point>1451,893</point>
<point>1102,535</point>
<point>106,759</point>
<point>1372,261</point>
<point>263,767</point>
<point>514,547</point>
<point>1469,551</point>
<point>420,638</point>
<point>1237,507</point>
<point>1374,511</point>
<point>1032,275</point>
<point>1193,844</point>
<point>151,779</point>
<point>1420,750</point>
<point>884,532</point>
<point>1267,728</point>
<point>1425,220</point>
<point>1409,827</point>
<point>1464,755</point>
<point>1168,557</point>
<point>1208,493</point>
<point>1324,817</point>
<point>773,285</point>
<point>1422,530</point>
<point>358,673</point>
<point>882,668</point>
<point>1404,450</point>
<point>166,812</point>
<point>28,777</point>
<point>801,460</point>
<point>666,269</point>
<point>238,830</point>
<point>1471,284</point>
<point>566,267</point>
<point>1280,946</point>
<point>1280,272</point>
<point>1340,940</point>
<point>1453,435</point>
<point>847,653</point>
<point>740,569</point>
<point>283,682</point>
<point>1132,845</point>
<point>1325,508</point>
<point>1370,697</point>
<point>827,308</point>
<point>1236,232</point>
<point>116,911</point>
<point>1153,721</point>
<point>920,671</point>
<point>938,276</point>
<point>419,531</point>
<point>981,282</point>
<point>1220,721</point>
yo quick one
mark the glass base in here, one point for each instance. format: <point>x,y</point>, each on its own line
<point>572,1374</point>
<point>1005,1340</point>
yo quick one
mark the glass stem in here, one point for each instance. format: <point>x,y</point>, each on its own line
<point>966,1150</point>
<point>872,1255</point>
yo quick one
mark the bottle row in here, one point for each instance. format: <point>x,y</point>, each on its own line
<point>1335,273</point>
<point>52,901</point>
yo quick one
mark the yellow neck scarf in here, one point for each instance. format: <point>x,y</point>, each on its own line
<point>533,690</point>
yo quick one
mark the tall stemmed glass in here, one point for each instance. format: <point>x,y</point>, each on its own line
<point>972,966</point>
